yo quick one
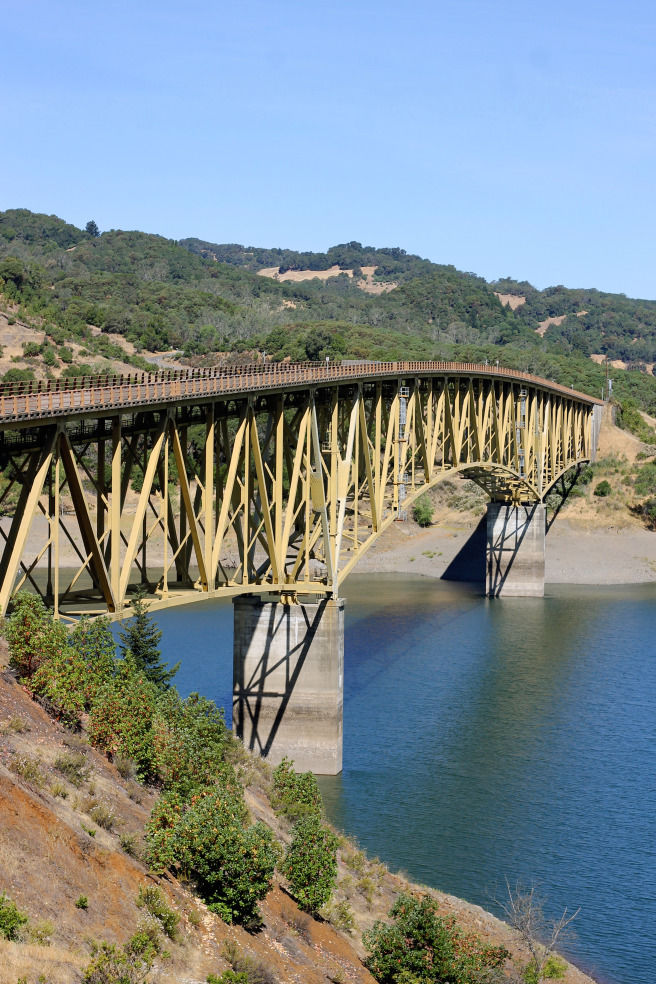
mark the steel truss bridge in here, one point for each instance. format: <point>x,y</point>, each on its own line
<point>256,479</point>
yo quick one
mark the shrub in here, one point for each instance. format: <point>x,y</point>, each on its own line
<point>553,969</point>
<point>59,681</point>
<point>129,844</point>
<point>151,899</point>
<point>40,933</point>
<point>426,948</point>
<point>340,914</point>
<point>93,641</point>
<point>310,863</point>
<point>11,919</point>
<point>586,475</point>
<point>422,511</point>
<point>32,634</point>
<point>126,767</point>
<point>647,511</point>
<point>189,743</point>
<point>603,489</point>
<point>103,816</point>
<point>208,839</point>
<point>645,479</point>
<point>15,725</point>
<point>128,964</point>
<point>295,794</point>
<point>74,766</point>
<point>120,720</point>
<point>82,902</point>
<point>229,977</point>
<point>28,768</point>
<point>242,964</point>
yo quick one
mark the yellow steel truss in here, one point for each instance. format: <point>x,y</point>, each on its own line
<point>271,490</point>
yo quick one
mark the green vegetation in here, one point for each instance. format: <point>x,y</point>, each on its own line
<point>11,919</point>
<point>208,300</point>
<point>128,964</point>
<point>140,639</point>
<point>420,947</point>
<point>295,794</point>
<point>603,489</point>
<point>151,899</point>
<point>422,511</point>
<point>311,863</point>
<point>200,824</point>
<point>629,417</point>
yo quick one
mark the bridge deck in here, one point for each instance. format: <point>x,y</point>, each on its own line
<point>37,402</point>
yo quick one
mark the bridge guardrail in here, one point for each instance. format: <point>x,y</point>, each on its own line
<point>21,401</point>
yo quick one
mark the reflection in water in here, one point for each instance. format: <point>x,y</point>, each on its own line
<point>491,740</point>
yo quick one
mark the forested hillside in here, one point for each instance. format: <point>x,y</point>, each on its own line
<point>205,301</point>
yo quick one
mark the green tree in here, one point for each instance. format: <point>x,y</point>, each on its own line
<point>92,229</point>
<point>141,637</point>
<point>311,863</point>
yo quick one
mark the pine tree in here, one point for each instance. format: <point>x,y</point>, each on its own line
<point>141,638</point>
<point>92,229</point>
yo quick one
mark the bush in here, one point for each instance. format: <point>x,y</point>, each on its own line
<point>74,766</point>
<point>28,768</point>
<point>295,794</point>
<point>603,489</point>
<point>422,511</point>
<point>647,512</point>
<point>129,964</point>
<point>208,840</point>
<point>311,863</point>
<point>151,899</point>
<point>425,948</point>
<point>82,902</point>
<point>11,919</point>
<point>120,720</point>
<point>59,681</point>
<point>32,635</point>
<point>103,816</point>
<point>189,742</point>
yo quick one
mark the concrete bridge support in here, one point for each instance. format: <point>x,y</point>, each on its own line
<point>515,550</point>
<point>288,681</point>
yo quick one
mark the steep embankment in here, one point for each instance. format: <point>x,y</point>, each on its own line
<point>70,839</point>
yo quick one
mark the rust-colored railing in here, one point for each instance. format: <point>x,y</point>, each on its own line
<point>89,394</point>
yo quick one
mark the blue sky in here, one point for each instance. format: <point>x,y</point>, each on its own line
<point>506,138</point>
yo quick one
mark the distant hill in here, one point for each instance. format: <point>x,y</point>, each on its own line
<point>208,299</point>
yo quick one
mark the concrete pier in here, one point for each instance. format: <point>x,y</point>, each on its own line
<point>515,550</point>
<point>288,681</point>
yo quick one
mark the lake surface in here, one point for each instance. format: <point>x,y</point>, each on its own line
<point>492,740</point>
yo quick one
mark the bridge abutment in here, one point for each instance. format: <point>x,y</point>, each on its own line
<point>288,681</point>
<point>515,550</point>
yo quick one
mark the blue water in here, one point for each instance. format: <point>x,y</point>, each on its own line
<point>492,740</point>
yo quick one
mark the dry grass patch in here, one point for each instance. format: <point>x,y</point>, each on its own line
<point>31,961</point>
